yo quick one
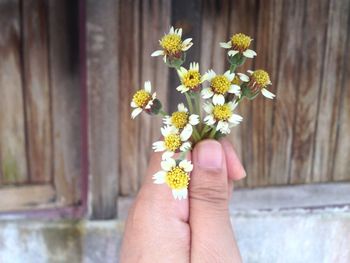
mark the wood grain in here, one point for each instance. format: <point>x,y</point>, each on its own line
<point>66,100</point>
<point>37,90</point>
<point>102,23</point>
<point>13,162</point>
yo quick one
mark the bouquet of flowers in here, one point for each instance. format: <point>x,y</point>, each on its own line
<point>211,100</point>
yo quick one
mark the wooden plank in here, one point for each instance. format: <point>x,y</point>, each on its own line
<point>311,66</point>
<point>341,170</point>
<point>129,82</point>
<point>66,99</point>
<point>102,23</point>
<point>330,94</point>
<point>286,82</point>
<point>186,15</point>
<point>23,198</point>
<point>243,16</point>
<point>13,163</point>
<point>37,89</point>
<point>155,22</point>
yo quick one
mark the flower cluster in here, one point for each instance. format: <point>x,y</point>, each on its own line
<point>211,102</point>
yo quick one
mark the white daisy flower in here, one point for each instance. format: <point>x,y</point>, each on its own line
<point>172,45</point>
<point>258,81</point>
<point>176,176</point>
<point>239,43</point>
<point>142,100</point>
<point>182,120</point>
<point>190,79</point>
<point>173,142</point>
<point>220,85</point>
<point>222,115</point>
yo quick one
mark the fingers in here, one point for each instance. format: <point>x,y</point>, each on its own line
<point>212,238</point>
<point>156,229</point>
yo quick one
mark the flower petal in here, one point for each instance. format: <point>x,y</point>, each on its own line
<point>207,93</point>
<point>230,76</point>
<point>181,107</point>
<point>180,193</point>
<point>232,52</point>
<point>166,155</point>
<point>186,165</point>
<point>157,53</point>
<point>243,77</point>
<point>182,88</point>
<point>135,112</point>
<point>227,45</point>
<point>211,74</point>
<point>186,132</point>
<point>218,99</point>
<point>235,119</point>
<point>194,119</point>
<point>133,104</point>
<point>235,89</point>
<point>158,146</point>
<point>249,53</point>
<point>159,177</point>
<point>267,93</point>
<point>186,146</point>
<point>168,164</point>
<point>208,108</point>
<point>209,120</point>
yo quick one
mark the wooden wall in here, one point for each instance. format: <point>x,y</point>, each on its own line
<point>302,136</point>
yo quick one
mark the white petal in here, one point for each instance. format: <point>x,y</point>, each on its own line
<point>135,112</point>
<point>226,45</point>
<point>207,93</point>
<point>235,119</point>
<point>164,58</point>
<point>157,53</point>
<point>158,146</point>
<point>267,94</point>
<point>171,31</point>
<point>168,164</point>
<point>232,52</point>
<point>166,155</point>
<point>186,165</point>
<point>235,89</point>
<point>180,193</point>
<point>159,177</point>
<point>211,74</point>
<point>194,119</point>
<point>187,47</point>
<point>232,105</point>
<point>182,71</point>
<point>186,146</point>
<point>181,107</point>
<point>208,108</point>
<point>209,120</point>
<point>249,53</point>
<point>167,120</point>
<point>230,76</point>
<point>250,71</point>
<point>182,88</point>
<point>204,77</point>
<point>243,77</point>
<point>186,133</point>
<point>179,32</point>
<point>133,104</point>
<point>218,99</point>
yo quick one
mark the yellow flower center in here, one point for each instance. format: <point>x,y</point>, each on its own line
<point>236,81</point>
<point>172,142</point>
<point>240,42</point>
<point>191,79</point>
<point>222,112</point>
<point>261,78</point>
<point>171,43</point>
<point>220,84</point>
<point>141,98</point>
<point>179,119</point>
<point>177,178</point>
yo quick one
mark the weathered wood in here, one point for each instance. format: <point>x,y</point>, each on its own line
<point>311,71</point>
<point>129,81</point>
<point>13,163</point>
<point>66,99</point>
<point>330,92</point>
<point>27,197</point>
<point>155,22</point>
<point>102,23</point>
<point>37,90</point>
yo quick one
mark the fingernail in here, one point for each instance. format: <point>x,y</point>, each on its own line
<point>210,154</point>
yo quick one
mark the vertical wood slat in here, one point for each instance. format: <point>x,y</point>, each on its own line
<point>155,22</point>
<point>330,93</point>
<point>37,90</point>
<point>66,99</point>
<point>102,25</point>
<point>13,164</point>
<point>129,82</point>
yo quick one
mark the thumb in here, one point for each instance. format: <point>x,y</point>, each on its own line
<point>211,232</point>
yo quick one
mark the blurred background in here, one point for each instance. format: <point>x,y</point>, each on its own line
<point>71,158</point>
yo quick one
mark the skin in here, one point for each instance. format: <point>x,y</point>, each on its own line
<point>198,229</point>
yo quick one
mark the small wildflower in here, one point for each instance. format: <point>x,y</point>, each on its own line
<point>173,141</point>
<point>258,81</point>
<point>142,100</point>
<point>190,79</point>
<point>239,43</point>
<point>176,176</point>
<point>182,120</point>
<point>223,115</point>
<point>220,85</point>
<point>172,45</point>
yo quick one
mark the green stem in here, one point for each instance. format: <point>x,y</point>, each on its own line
<point>205,130</point>
<point>197,105</point>
<point>212,133</point>
<point>163,113</point>
<point>233,68</point>
<point>189,102</point>
<point>196,135</point>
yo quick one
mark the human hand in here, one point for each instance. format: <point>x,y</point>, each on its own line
<point>198,229</point>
